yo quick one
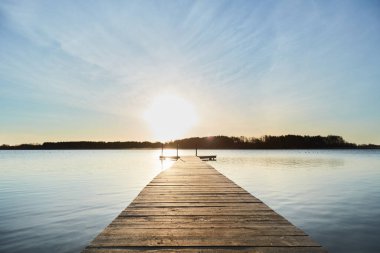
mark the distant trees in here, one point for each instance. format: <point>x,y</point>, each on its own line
<point>85,145</point>
<point>265,142</point>
<point>99,145</point>
<point>211,142</point>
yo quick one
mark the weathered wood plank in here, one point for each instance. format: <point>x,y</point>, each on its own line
<point>187,233</point>
<point>263,236</point>
<point>197,238</point>
<point>199,210</point>
<point>205,196</point>
<point>247,220</point>
<point>198,198</point>
<point>200,221</point>
<point>191,191</point>
<point>192,207</point>
<point>197,204</point>
<point>208,249</point>
<point>197,188</point>
<point>226,185</point>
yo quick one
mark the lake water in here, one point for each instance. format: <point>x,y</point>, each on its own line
<point>58,201</point>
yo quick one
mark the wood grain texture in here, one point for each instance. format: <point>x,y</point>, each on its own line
<point>192,207</point>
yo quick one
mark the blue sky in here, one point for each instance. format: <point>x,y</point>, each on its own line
<point>88,70</point>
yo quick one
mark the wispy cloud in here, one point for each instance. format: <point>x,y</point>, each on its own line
<point>255,65</point>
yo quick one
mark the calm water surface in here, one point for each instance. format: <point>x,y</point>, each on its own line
<point>60,200</point>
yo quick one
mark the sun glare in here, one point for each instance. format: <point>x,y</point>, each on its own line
<point>170,117</point>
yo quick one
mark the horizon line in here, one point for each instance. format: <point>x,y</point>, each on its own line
<point>180,139</point>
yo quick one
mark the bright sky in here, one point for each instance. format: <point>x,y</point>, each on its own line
<point>94,70</point>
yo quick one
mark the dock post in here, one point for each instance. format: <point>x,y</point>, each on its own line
<point>196,150</point>
<point>162,150</point>
<point>177,150</point>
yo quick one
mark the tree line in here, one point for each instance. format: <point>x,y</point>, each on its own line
<point>268,142</point>
<point>211,142</point>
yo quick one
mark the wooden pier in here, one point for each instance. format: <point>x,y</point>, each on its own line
<point>192,207</point>
<point>202,157</point>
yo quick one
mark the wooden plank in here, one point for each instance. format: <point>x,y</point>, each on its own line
<point>186,184</point>
<point>195,195</point>
<point>128,238</point>
<point>194,190</point>
<point>197,234</point>
<point>208,249</point>
<point>198,198</point>
<point>186,187</point>
<point>200,221</point>
<point>197,204</point>
<point>247,220</point>
<point>192,207</point>
<point>194,212</point>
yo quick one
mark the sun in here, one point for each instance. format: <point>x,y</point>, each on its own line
<point>170,117</point>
